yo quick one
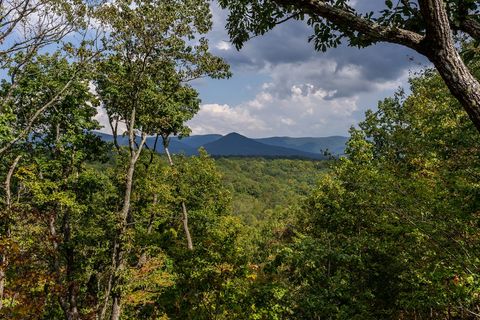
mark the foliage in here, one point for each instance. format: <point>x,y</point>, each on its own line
<point>393,231</point>
<point>388,232</point>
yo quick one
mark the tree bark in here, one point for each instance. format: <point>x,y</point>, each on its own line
<point>185,226</point>
<point>119,250</point>
<point>471,26</point>
<point>439,47</point>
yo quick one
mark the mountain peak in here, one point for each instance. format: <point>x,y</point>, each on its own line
<point>234,134</point>
<point>234,144</point>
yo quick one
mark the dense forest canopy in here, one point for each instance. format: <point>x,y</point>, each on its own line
<point>96,230</point>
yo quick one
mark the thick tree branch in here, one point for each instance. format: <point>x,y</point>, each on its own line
<point>345,19</point>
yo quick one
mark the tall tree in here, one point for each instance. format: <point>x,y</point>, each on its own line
<point>426,26</point>
<point>52,158</point>
<point>181,105</point>
<point>152,49</point>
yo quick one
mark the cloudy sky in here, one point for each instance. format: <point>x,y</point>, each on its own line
<point>282,87</point>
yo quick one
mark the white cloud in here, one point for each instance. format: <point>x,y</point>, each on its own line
<point>317,97</point>
<point>300,113</point>
<point>223,45</point>
<point>218,118</point>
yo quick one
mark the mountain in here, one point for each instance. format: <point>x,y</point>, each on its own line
<point>234,144</point>
<point>199,140</point>
<point>334,144</point>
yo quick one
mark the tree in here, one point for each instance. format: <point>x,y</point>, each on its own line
<point>152,49</point>
<point>26,28</point>
<point>392,231</point>
<point>426,26</point>
<point>46,187</point>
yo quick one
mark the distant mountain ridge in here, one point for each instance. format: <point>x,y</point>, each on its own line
<point>334,144</point>
<point>234,144</point>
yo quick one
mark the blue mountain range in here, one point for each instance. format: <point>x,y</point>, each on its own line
<point>234,144</point>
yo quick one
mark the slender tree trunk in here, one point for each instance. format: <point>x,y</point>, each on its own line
<point>108,289</point>
<point>8,204</point>
<point>72,286</point>
<point>170,161</point>
<point>185,226</point>
<point>120,251</point>
<point>119,248</point>
<point>143,256</point>
<point>184,207</point>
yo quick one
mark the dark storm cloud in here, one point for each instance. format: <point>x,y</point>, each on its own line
<point>286,43</point>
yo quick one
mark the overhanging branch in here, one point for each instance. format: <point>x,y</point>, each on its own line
<point>355,23</point>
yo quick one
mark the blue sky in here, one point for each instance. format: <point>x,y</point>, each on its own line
<point>282,87</point>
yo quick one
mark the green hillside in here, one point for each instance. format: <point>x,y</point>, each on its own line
<point>258,184</point>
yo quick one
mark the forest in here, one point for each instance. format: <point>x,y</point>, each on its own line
<point>91,229</point>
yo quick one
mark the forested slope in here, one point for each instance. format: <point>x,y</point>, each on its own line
<point>258,184</point>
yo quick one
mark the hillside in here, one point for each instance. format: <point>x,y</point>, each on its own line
<point>198,140</point>
<point>234,144</point>
<point>259,184</point>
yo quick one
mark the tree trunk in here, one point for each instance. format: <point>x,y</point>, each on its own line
<point>184,207</point>
<point>118,259</point>
<point>8,205</point>
<point>185,226</point>
<point>439,47</point>
<point>116,307</point>
<point>119,250</point>
<point>461,83</point>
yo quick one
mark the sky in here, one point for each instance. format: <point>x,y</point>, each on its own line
<point>281,86</point>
